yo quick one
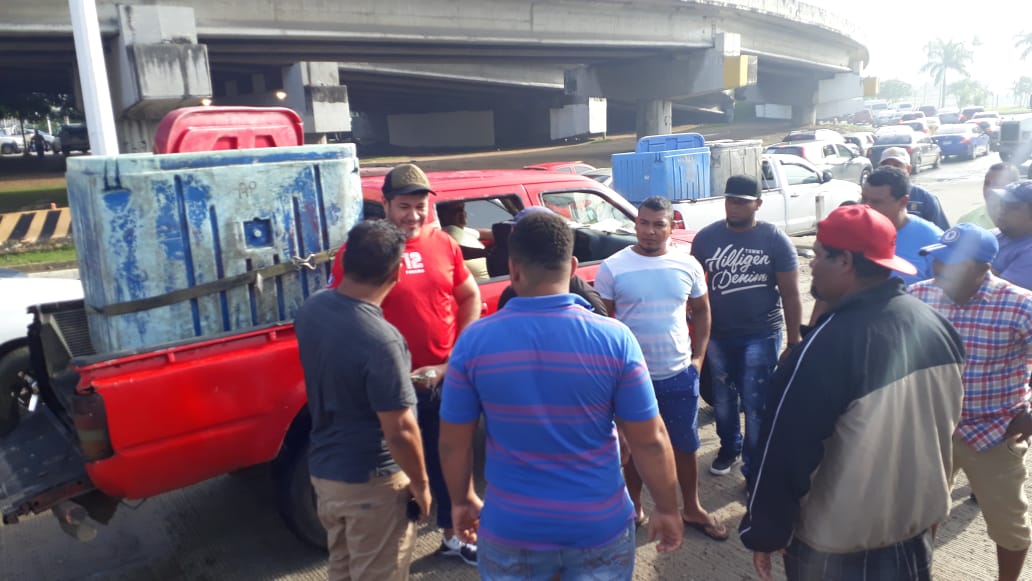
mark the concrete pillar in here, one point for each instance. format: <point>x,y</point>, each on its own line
<point>156,66</point>
<point>804,114</point>
<point>654,118</point>
<point>313,89</point>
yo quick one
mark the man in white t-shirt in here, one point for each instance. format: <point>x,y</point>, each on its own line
<point>649,287</point>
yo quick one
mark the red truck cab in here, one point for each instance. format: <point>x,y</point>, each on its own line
<point>131,425</point>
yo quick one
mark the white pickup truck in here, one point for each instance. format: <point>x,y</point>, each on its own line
<point>796,195</point>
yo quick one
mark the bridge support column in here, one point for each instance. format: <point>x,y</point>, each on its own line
<point>314,91</point>
<point>654,81</point>
<point>155,66</point>
<point>654,118</point>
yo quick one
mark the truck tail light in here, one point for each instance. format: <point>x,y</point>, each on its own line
<point>91,426</point>
<point>678,220</point>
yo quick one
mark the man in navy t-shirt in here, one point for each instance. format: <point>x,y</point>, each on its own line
<point>550,377</point>
<point>921,202</point>
<point>751,269</point>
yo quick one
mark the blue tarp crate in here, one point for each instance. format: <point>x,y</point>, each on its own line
<point>680,174</point>
<point>670,142</point>
<point>149,225</point>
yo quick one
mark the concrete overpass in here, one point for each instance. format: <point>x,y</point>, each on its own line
<point>646,53</point>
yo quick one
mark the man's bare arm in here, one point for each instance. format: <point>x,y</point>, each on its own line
<point>467,295</point>
<point>701,323</point>
<point>788,286</point>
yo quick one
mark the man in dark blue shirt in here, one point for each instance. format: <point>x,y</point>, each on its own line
<point>366,453</point>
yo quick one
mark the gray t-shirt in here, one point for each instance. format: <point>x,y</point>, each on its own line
<point>741,272</point>
<point>355,364</point>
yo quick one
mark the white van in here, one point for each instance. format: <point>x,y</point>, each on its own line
<point>1016,139</point>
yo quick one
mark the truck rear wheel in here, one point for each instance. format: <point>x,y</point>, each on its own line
<point>11,386</point>
<point>296,499</point>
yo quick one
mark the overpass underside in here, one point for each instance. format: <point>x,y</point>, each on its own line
<point>532,84</point>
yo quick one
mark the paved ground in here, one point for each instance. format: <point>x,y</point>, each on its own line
<point>227,528</point>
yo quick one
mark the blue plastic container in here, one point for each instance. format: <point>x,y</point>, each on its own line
<point>682,174</point>
<point>147,225</point>
<point>670,142</point>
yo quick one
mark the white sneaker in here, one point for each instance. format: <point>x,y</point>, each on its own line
<point>453,547</point>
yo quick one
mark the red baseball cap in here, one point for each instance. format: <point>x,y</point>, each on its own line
<point>860,228</point>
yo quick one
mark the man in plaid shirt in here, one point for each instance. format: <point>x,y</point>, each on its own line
<point>994,319</point>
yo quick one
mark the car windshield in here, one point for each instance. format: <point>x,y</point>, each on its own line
<point>894,139</point>
<point>952,130</point>
<point>787,150</point>
<point>589,209</point>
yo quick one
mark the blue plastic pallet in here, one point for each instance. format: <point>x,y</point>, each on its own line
<point>148,225</point>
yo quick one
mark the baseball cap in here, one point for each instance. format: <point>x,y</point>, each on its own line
<point>963,242</point>
<point>860,228</point>
<point>743,187</point>
<point>897,153</point>
<point>1015,192</point>
<point>405,179</point>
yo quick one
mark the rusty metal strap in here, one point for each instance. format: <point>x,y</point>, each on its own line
<point>250,277</point>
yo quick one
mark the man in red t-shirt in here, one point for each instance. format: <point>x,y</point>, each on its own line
<point>433,301</point>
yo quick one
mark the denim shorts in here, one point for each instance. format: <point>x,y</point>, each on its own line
<point>612,561</point>
<point>678,398</point>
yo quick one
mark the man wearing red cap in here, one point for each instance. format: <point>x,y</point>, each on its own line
<point>434,300</point>
<point>857,439</point>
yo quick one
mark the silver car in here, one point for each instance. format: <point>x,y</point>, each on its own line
<point>843,160</point>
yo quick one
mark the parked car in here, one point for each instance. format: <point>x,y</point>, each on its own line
<point>904,106</point>
<point>862,117</point>
<point>929,110</point>
<point>949,115</point>
<point>73,137</point>
<point>814,135</point>
<point>962,139</point>
<point>602,175</point>
<point>923,152</point>
<point>918,125</point>
<point>991,127</point>
<point>987,115</point>
<point>911,115</point>
<point>968,113</point>
<point>843,163</point>
<point>1016,139</point>
<point>863,140</point>
<point>883,117</point>
<point>574,167</point>
<point>10,143</point>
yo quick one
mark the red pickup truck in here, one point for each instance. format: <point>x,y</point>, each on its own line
<point>131,425</point>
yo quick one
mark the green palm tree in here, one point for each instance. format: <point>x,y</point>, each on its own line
<point>945,57</point>
<point>1022,89</point>
<point>1024,42</point>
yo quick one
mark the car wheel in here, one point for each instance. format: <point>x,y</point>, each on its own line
<point>864,175</point>
<point>938,161</point>
<point>296,499</point>
<point>915,167</point>
<point>11,385</point>
<point>6,149</point>
<point>972,152</point>
<point>66,152</point>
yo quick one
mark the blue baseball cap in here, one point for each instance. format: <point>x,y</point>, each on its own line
<point>964,242</point>
<point>1015,192</point>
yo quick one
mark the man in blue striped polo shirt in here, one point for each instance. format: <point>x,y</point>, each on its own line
<point>550,378</point>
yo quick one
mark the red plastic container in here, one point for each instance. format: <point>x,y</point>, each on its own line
<point>195,129</point>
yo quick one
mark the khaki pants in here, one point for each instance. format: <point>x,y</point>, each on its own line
<point>368,532</point>
<point>997,477</point>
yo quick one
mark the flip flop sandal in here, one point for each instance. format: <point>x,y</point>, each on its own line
<point>710,530</point>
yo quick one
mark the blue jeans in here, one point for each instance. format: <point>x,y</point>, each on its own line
<point>741,368</point>
<point>613,561</point>
<point>909,560</point>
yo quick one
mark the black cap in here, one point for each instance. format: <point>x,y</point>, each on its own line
<point>743,187</point>
<point>405,179</point>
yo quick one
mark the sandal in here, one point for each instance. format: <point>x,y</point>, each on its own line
<point>714,530</point>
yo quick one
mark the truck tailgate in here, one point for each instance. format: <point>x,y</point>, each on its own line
<point>40,465</point>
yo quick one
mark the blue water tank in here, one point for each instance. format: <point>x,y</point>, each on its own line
<point>679,174</point>
<point>148,225</point>
<point>670,142</point>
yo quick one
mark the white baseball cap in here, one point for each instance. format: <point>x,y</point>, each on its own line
<point>897,153</point>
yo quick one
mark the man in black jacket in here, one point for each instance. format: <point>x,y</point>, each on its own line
<point>857,436</point>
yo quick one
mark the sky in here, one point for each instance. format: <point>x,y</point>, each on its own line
<point>896,31</point>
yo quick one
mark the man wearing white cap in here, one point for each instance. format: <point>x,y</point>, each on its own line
<point>922,202</point>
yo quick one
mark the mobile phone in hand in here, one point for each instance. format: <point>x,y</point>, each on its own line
<point>412,510</point>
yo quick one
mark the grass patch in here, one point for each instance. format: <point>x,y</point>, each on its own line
<point>37,198</point>
<point>35,257</point>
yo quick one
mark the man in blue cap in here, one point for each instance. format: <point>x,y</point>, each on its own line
<point>994,319</point>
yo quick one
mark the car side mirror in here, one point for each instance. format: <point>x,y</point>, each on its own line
<point>826,176</point>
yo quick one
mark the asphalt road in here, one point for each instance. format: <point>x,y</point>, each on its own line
<point>227,528</point>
